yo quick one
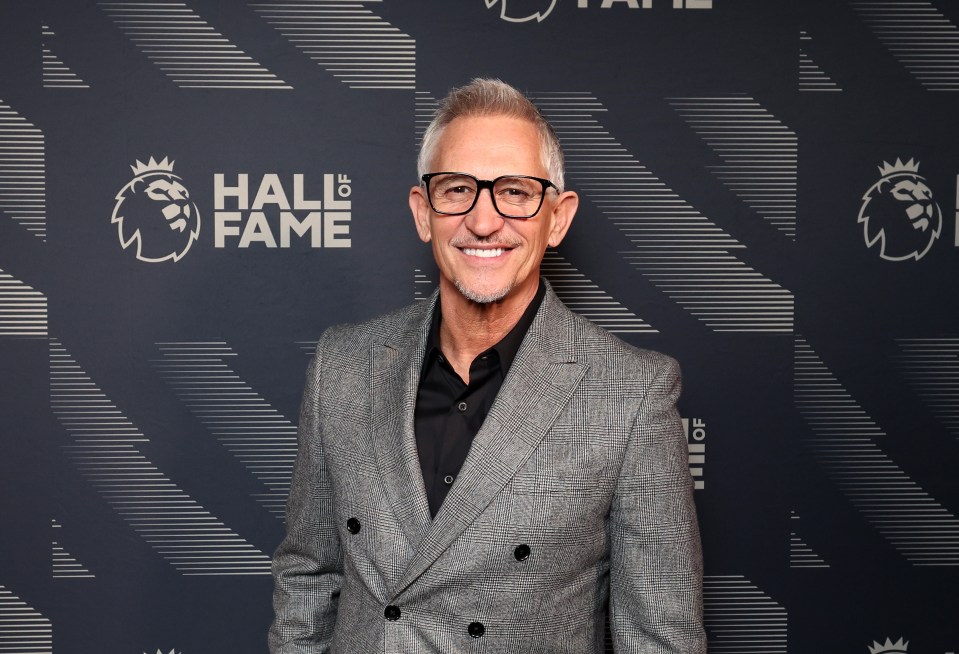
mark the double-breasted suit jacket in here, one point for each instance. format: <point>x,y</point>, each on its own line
<point>575,499</point>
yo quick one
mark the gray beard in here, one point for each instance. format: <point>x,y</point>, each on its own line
<point>482,299</point>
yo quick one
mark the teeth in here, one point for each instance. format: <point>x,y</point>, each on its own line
<point>483,253</point>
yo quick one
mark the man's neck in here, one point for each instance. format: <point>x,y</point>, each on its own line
<point>469,328</point>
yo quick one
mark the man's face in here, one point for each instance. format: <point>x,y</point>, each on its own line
<point>483,255</point>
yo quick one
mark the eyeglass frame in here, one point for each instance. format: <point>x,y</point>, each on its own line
<point>487,184</point>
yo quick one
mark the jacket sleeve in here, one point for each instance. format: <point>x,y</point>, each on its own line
<point>308,565</point>
<point>656,568</point>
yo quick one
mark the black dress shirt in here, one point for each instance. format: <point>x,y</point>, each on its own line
<point>449,412</point>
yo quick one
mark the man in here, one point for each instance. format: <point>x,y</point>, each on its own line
<point>486,471</point>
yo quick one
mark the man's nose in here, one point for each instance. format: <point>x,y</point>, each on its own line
<point>483,219</point>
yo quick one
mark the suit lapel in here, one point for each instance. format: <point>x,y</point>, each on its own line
<point>540,382</point>
<point>395,377</point>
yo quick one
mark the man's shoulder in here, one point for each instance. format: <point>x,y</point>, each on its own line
<point>397,325</point>
<point>603,349</point>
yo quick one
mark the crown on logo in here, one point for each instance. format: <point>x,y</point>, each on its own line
<point>889,647</point>
<point>165,165</point>
<point>911,166</point>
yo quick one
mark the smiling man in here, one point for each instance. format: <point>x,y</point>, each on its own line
<point>487,471</point>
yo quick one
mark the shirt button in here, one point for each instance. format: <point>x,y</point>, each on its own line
<point>353,525</point>
<point>462,406</point>
<point>476,629</point>
<point>521,552</point>
<point>448,479</point>
<point>392,613</point>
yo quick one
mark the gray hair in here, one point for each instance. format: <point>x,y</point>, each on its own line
<point>491,97</point>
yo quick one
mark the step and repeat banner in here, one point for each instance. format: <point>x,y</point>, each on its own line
<point>192,191</point>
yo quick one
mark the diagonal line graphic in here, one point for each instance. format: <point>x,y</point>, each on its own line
<point>844,442</point>
<point>56,74</point>
<point>348,40</point>
<point>759,153</point>
<point>587,299</point>
<point>811,76</point>
<point>63,564</point>
<point>23,309</point>
<point>800,554</point>
<point>931,367</point>
<point>104,449</point>
<point>424,106</point>
<point>22,627</point>
<point>919,36</point>
<point>187,49</point>
<point>23,172</point>
<point>258,435</point>
<point>739,617</point>
<point>679,250</point>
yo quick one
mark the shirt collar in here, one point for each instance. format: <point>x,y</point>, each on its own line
<point>506,348</point>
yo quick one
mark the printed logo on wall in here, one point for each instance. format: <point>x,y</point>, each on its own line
<point>514,15</point>
<point>538,15</point>
<point>898,213</point>
<point>269,218</point>
<point>695,429</point>
<point>154,212</point>
<point>172,651</point>
<point>889,647</point>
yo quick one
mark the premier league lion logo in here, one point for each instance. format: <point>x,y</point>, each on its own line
<point>898,213</point>
<point>901,646</point>
<point>155,213</point>
<point>523,10</point>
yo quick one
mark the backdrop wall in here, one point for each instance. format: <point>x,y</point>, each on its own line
<point>192,191</point>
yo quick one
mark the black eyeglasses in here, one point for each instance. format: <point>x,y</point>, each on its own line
<point>514,196</point>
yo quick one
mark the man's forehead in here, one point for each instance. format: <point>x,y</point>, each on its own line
<point>491,137</point>
<point>490,122</point>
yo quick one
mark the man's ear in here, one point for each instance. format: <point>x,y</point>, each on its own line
<point>564,208</point>
<point>420,206</point>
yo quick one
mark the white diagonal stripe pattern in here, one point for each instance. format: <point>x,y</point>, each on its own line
<point>931,367</point>
<point>258,435</point>
<point>348,40</point>
<point>844,442</point>
<point>22,627</point>
<point>424,108</point>
<point>919,36</point>
<point>56,74</point>
<point>811,76</point>
<point>800,554</point>
<point>65,565</point>
<point>23,309</point>
<point>679,250</point>
<point>759,152</point>
<point>739,617</point>
<point>187,49</point>
<point>23,190</point>
<point>105,450</point>
<point>588,300</point>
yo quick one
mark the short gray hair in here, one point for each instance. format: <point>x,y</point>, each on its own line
<point>491,97</point>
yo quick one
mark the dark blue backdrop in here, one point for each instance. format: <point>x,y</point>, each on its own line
<point>768,194</point>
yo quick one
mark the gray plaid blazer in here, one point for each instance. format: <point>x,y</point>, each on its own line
<point>582,460</point>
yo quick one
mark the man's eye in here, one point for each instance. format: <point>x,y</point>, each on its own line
<point>515,193</point>
<point>457,190</point>
<point>518,192</point>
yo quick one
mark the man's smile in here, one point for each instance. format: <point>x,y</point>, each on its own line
<point>485,253</point>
